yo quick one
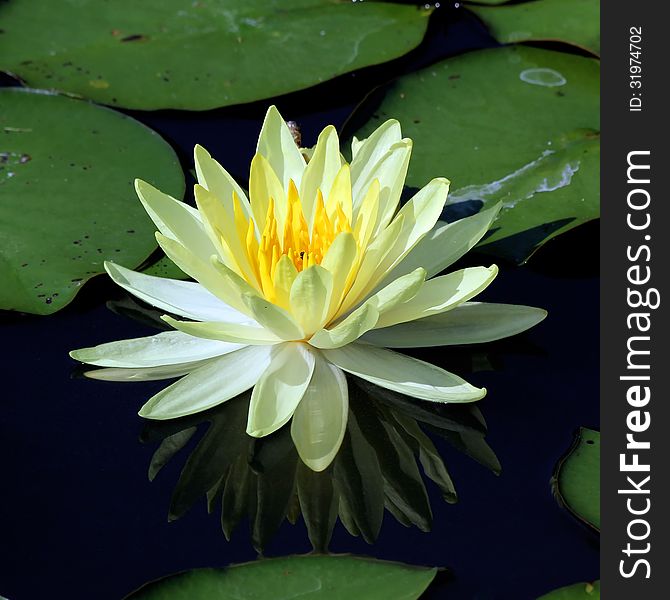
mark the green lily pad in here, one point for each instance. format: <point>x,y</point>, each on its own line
<point>577,479</point>
<point>516,124</point>
<point>578,591</point>
<point>306,577</point>
<point>488,2</point>
<point>198,55</point>
<point>67,201</point>
<point>575,22</point>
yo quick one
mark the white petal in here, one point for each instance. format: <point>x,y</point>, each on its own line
<point>219,380</point>
<point>277,146</point>
<point>320,421</point>
<point>183,298</point>
<point>440,295</point>
<point>280,388</point>
<point>355,146</point>
<point>167,348</point>
<point>470,323</point>
<point>203,271</point>
<point>145,373</point>
<point>403,374</point>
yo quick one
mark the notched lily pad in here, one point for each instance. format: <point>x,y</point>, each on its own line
<point>305,577</point>
<point>518,125</point>
<point>198,55</point>
<point>578,591</point>
<point>576,482</point>
<point>575,22</point>
<point>67,202</point>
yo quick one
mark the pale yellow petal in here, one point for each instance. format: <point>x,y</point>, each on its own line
<point>340,194</point>
<point>469,323</point>
<point>366,219</point>
<point>276,144</point>
<point>441,294</point>
<point>391,173</point>
<point>369,152</point>
<point>213,177</point>
<point>176,220</point>
<point>363,319</point>
<point>446,243</point>
<point>202,271</point>
<point>339,260</point>
<point>374,255</point>
<point>419,215</point>
<point>284,276</point>
<point>366,316</point>
<point>263,185</point>
<point>310,297</point>
<point>320,420</point>
<point>274,318</point>
<point>235,333</point>
<point>321,170</point>
<point>224,233</point>
<point>280,388</point>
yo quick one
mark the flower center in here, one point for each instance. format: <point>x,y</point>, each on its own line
<point>302,248</point>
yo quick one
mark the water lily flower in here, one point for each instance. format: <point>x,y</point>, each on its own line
<point>318,273</point>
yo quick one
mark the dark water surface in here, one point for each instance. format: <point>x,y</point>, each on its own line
<point>80,520</point>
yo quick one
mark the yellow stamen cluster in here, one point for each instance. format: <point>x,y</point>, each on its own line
<point>295,242</point>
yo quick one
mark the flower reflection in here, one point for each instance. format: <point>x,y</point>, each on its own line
<point>377,467</point>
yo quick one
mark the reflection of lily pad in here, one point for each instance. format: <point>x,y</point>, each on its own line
<point>66,195</point>
<point>577,480</point>
<point>198,55</point>
<point>306,577</point>
<point>578,591</point>
<point>517,125</point>
<point>575,22</point>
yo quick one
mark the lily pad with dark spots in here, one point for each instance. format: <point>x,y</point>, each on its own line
<point>67,201</point>
<point>198,55</point>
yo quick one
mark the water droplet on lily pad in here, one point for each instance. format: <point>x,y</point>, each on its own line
<point>542,76</point>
